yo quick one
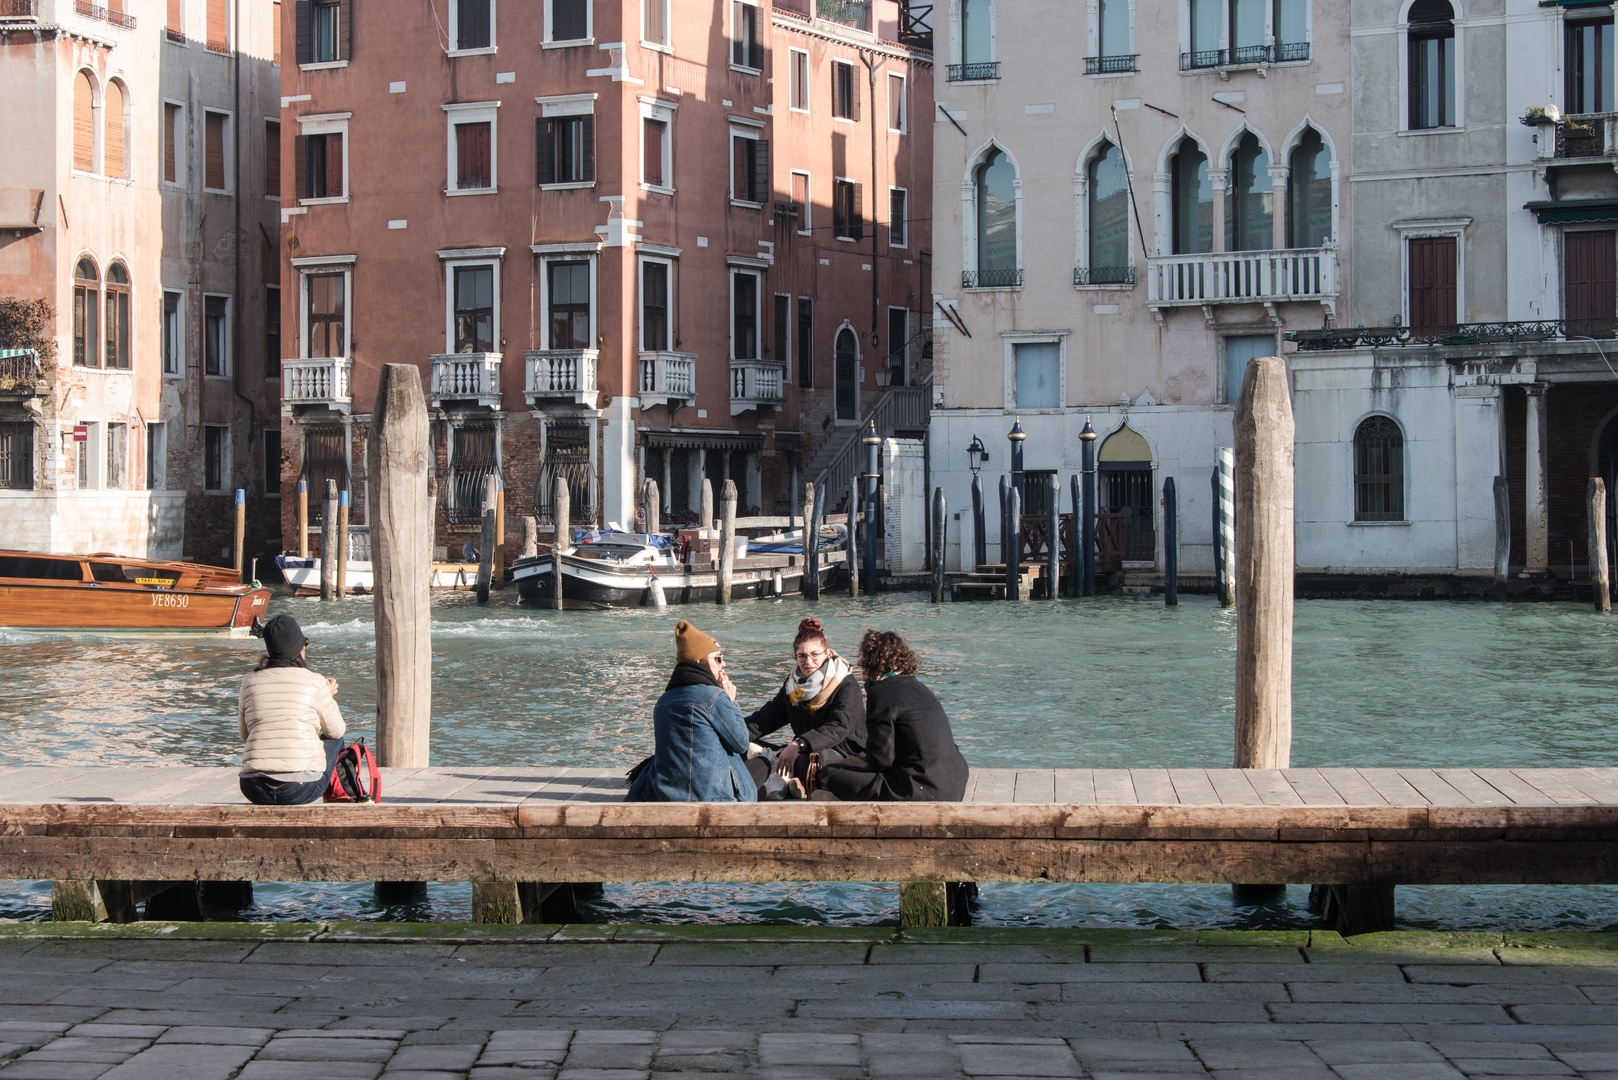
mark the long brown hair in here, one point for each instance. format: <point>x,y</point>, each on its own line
<point>883,652</point>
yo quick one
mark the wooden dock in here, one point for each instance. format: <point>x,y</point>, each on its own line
<point>1366,829</point>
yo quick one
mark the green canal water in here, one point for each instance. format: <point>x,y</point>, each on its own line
<point>1115,682</point>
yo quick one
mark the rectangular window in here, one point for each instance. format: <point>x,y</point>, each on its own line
<point>216,335</point>
<point>783,329</point>
<point>897,113</point>
<point>272,332</point>
<point>750,168</point>
<point>272,461</point>
<point>17,456</point>
<point>173,333</point>
<point>1247,32</point>
<point>569,289</point>
<point>1432,281</point>
<point>845,92</point>
<point>322,31</point>
<point>474,24</point>
<point>1432,75</point>
<point>1588,289</point>
<point>320,166</point>
<point>898,217</point>
<point>1588,67</point>
<point>1241,350</point>
<point>156,457</point>
<point>654,26</point>
<point>654,305</point>
<point>275,31</point>
<point>218,25</point>
<point>846,220</point>
<point>216,130</point>
<point>173,141</point>
<point>328,301</point>
<point>215,457</point>
<point>1291,25</point>
<point>570,20</point>
<point>806,342</point>
<point>800,200</point>
<point>85,450</point>
<point>117,456</point>
<point>117,318</point>
<point>1038,374</point>
<point>272,159</point>
<point>86,324</point>
<point>474,309</point>
<point>898,345</point>
<point>566,150</point>
<point>744,315</point>
<point>652,135</point>
<point>799,73</point>
<point>474,162</point>
<point>746,48</point>
<point>175,25</point>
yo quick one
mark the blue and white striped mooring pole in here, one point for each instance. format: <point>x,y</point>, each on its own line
<point>1226,519</point>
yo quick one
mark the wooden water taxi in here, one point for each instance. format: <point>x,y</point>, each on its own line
<point>105,593</point>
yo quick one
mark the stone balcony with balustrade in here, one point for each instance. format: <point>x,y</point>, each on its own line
<point>466,378</point>
<point>314,382</point>
<point>562,376</point>
<point>756,384</point>
<point>667,376</point>
<point>1242,277</point>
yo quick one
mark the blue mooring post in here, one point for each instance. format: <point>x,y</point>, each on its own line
<point>980,538</point>
<point>1014,544</point>
<point>1087,546</point>
<point>1171,544</point>
<point>1017,436</point>
<point>241,534</point>
<point>873,443</point>
<point>1005,530</point>
<point>1077,496</point>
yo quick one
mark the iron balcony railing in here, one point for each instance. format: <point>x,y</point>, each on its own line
<point>467,377</point>
<point>991,279</point>
<point>1111,65</point>
<point>19,9</point>
<point>321,380</point>
<point>1489,333</point>
<point>973,72</point>
<point>19,370</point>
<point>1583,135</point>
<point>1242,277</point>
<point>176,36</point>
<point>900,409</point>
<point>1245,56</point>
<point>855,13</point>
<point>1104,275</point>
<point>915,24</point>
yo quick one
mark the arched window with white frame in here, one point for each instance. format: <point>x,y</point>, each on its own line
<point>993,240</point>
<point>1191,198</point>
<point>1249,208</point>
<point>1309,192</point>
<point>1105,253</point>
<point>1431,65</point>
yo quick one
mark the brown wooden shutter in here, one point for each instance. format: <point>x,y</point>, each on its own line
<point>755,47</point>
<point>652,150</point>
<point>300,166</point>
<point>1589,293</point>
<point>214,151</point>
<point>303,31</point>
<point>853,93</point>
<point>588,139</point>
<point>1432,281</point>
<point>345,29</point>
<point>112,123</point>
<point>171,121</point>
<point>761,170</point>
<point>84,130</point>
<point>655,31</point>
<point>176,25</point>
<point>219,25</point>
<point>856,224</point>
<point>545,151</point>
<point>275,32</point>
<point>334,166</point>
<point>272,158</point>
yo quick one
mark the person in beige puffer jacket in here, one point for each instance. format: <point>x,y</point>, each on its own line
<point>289,721</point>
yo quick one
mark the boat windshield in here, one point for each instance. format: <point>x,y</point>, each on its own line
<point>24,566</point>
<point>120,574</point>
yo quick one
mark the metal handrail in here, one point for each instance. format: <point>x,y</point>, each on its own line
<point>991,279</point>
<point>901,408</point>
<point>1111,65</point>
<point>1489,333</point>
<point>1104,275</point>
<point>19,9</point>
<point>971,72</point>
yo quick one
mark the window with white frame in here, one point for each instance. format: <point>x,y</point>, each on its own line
<point>173,142</point>
<point>472,25</point>
<point>320,158</point>
<point>215,335</point>
<point>324,297</point>
<point>173,332</point>
<point>567,22</point>
<point>472,292</point>
<point>1221,33</point>
<point>845,92</point>
<point>157,454</point>
<point>1110,38</point>
<point>898,107</point>
<point>217,131</point>
<point>656,281</point>
<point>473,148</point>
<point>992,241</point>
<point>117,473</point>
<point>800,201</point>
<point>847,213</point>
<point>1107,254</point>
<point>746,293</point>
<point>88,451</point>
<point>564,141</point>
<point>1309,197</point>
<point>898,217</point>
<point>215,457</point>
<point>657,144</point>
<point>746,40</point>
<point>1431,65</point>
<point>569,302</point>
<point>654,22</point>
<point>1037,374</point>
<point>976,40</point>
<point>798,72</point>
<point>750,164</point>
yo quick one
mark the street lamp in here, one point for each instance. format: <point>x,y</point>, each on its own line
<point>1087,545</point>
<point>872,442</point>
<point>977,455</point>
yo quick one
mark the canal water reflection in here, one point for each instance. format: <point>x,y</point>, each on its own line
<point>1114,682</point>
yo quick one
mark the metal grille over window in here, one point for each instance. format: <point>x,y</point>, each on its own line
<point>1379,451</point>
<point>17,456</point>
<point>472,461</point>
<point>325,457</point>
<point>567,454</point>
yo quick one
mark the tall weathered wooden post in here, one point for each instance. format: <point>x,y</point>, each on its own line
<point>342,543</point>
<point>240,533</point>
<point>652,507</point>
<point>530,537</point>
<point>705,505</point>
<point>487,541</point>
<point>1053,545</point>
<point>1502,534</point>
<point>980,537</point>
<point>564,538</point>
<point>810,585</point>
<point>727,541</point>
<point>1264,566</point>
<point>328,541</point>
<point>398,458</point>
<point>499,578</point>
<point>1087,535</point>
<point>873,543</point>
<point>1013,543</point>
<point>1600,587</point>
<point>1171,544</point>
<point>940,523</point>
<point>303,519</point>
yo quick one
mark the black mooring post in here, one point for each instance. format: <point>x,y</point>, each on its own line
<point>873,443</point>
<point>1088,438</point>
<point>1014,537</point>
<point>1053,547</point>
<point>940,524</point>
<point>1005,531</point>
<point>1077,586</point>
<point>980,538</point>
<point>1171,544</point>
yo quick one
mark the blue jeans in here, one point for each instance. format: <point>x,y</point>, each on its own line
<point>266,792</point>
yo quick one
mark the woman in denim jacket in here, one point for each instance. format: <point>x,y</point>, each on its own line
<point>701,739</point>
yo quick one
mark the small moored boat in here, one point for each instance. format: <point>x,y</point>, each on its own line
<point>105,593</point>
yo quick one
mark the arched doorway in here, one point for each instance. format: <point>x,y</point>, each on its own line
<point>1125,490</point>
<point>846,368</point>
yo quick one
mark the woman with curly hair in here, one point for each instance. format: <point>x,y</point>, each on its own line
<point>821,701</point>
<point>910,751</point>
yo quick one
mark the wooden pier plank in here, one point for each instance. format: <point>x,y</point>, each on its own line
<point>971,784</point>
<point>1035,786</point>
<point>606,785</point>
<point>1550,781</point>
<point>1273,788</point>
<point>1433,787</point>
<point>1075,785</point>
<point>1592,784</point>
<point>1115,787</point>
<point>1393,787</point>
<point>1353,788</point>
<point>1234,788</point>
<point>1153,787</point>
<point>1479,792</point>
<point>432,785</point>
<point>1193,788</point>
<point>1515,787</point>
<point>996,786</point>
<point>1312,788</point>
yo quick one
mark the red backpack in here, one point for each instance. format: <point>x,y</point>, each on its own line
<point>354,778</point>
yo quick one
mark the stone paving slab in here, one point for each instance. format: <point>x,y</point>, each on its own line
<point>614,1003</point>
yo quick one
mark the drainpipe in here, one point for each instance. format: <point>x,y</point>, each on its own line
<point>872,66</point>
<point>236,233</point>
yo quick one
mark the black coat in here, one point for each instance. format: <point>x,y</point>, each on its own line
<point>908,738</point>
<point>839,725</point>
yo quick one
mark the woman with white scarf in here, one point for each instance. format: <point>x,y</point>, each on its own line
<point>820,700</point>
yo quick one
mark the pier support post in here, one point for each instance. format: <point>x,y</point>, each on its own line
<point>1600,587</point>
<point>873,542</point>
<point>530,537</point>
<point>397,461</point>
<point>76,900</point>
<point>303,519</point>
<point>936,903</point>
<point>1171,544</point>
<point>564,528</point>
<point>854,539</point>
<point>328,541</point>
<point>705,504</point>
<point>1354,909</point>
<point>1014,543</point>
<point>1005,530</point>
<point>496,902</point>
<point>342,543</point>
<point>1076,494</point>
<point>1053,544</point>
<point>1086,532</point>
<point>727,542</point>
<point>980,537</point>
<point>1536,502</point>
<point>1502,534</point>
<point>499,578</point>
<point>1225,511</point>
<point>241,535</point>
<point>940,524</point>
<point>486,544</point>
<point>812,512</point>
<point>652,507</point>
<point>1264,566</point>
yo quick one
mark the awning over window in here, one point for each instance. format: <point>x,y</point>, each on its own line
<point>1573,3</point>
<point>693,440</point>
<point>1574,211</point>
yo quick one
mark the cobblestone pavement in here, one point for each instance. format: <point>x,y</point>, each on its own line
<point>223,1001</point>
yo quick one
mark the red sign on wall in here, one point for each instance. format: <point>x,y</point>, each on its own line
<point>81,433</point>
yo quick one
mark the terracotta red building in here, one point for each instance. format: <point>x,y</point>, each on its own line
<point>620,239</point>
